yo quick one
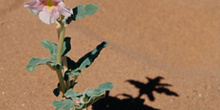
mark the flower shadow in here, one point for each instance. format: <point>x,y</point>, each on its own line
<point>151,86</point>
<point>135,103</point>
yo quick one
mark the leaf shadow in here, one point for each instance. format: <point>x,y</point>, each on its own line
<point>73,16</point>
<point>67,45</point>
<point>91,56</point>
<point>135,103</point>
<point>87,59</point>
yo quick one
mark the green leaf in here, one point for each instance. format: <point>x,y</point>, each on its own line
<point>72,94</point>
<point>102,88</point>
<point>87,10</point>
<point>88,59</point>
<point>52,47</point>
<point>64,105</point>
<point>93,92</point>
<point>73,74</point>
<point>90,96</point>
<point>82,11</point>
<point>90,101</point>
<point>107,86</point>
<point>34,62</point>
<point>85,61</point>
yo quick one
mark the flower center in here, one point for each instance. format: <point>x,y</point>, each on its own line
<point>50,4</point>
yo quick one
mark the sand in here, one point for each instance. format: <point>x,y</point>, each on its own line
<point>162,54</point>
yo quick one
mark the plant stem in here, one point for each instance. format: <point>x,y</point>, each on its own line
<point>60,77</point>
<point>65,66</point>
<point>60,45</point>
<point>59,56</point>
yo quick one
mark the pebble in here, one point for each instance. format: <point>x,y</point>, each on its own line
<point>172,100</point>
<point>200,95</point>
<point>22,105</point>
<point>3,93</point>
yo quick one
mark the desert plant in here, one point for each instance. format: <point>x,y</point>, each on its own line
<point>55,11</point>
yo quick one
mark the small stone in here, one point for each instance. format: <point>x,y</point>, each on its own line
<point>22,105</point>
<point>3,93</point>
<point>200,95</point>
<point>172,100</point>
<point>24,93</point>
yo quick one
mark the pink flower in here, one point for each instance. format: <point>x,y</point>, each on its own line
<point>49,10</point>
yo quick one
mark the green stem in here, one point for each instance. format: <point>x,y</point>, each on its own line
<point>60,77</point>
<point>60,45</point>
<point>59,57</point>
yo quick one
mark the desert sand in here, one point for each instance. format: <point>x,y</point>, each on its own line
<point>162,54</point>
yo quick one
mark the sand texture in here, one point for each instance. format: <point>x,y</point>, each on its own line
<point>162,54</point>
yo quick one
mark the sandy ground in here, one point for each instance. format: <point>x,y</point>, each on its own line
<point>162,54</point>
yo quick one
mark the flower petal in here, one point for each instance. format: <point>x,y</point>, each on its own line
<point>65,11</point>
<point>35,6</point>
<point>45,16</point>
<point>49,17</point>
<point>54,15</point>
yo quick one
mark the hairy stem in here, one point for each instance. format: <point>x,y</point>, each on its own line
<point>60,77</point>
<point>59,56</point>
<point>60,45</point>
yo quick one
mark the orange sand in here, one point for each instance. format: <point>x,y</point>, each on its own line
<point>178,40</point>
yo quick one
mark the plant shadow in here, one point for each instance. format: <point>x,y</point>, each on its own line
<point>135,103</point>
